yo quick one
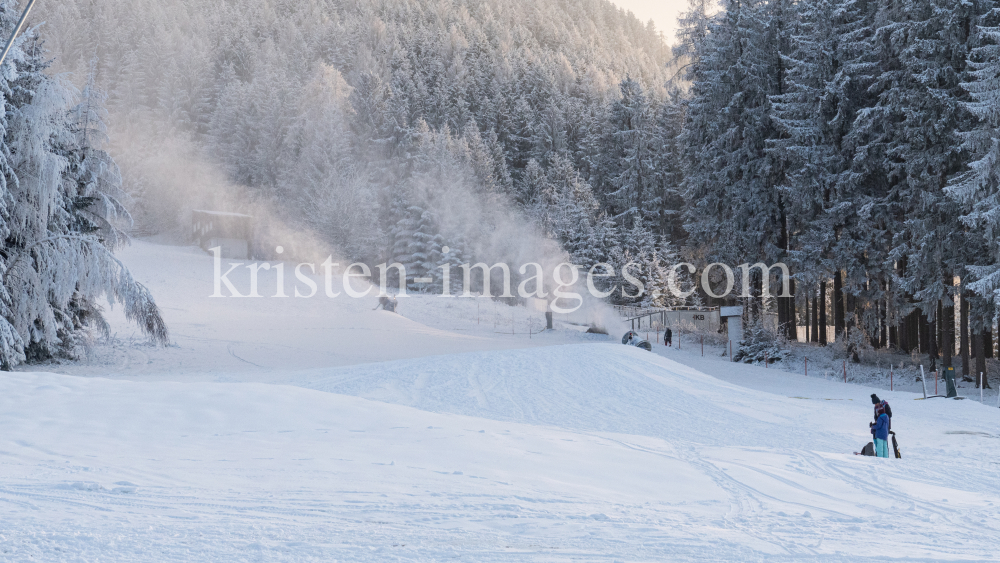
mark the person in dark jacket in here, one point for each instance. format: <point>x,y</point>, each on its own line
<point>882,407</point>
<point>668,337</point>
<point>880,435</point>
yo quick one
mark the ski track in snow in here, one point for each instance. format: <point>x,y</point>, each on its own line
<point>253,439</point>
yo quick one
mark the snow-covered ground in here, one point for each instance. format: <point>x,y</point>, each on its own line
<point>320,430</point>
<point>226,339</point>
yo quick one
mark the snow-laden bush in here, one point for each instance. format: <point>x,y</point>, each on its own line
<point>760,343</point>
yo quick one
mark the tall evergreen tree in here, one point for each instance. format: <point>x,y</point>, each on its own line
<point>60,216</point>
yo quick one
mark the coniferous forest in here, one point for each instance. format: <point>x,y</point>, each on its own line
<point>856,141</point>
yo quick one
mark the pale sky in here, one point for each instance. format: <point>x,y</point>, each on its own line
<point>663,13</point>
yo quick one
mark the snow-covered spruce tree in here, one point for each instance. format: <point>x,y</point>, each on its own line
<point>810,114</point>
<point>564,206</point>
<point>978,187</point>
<point>58,223</point>
<point>760,343</point>
<point>904,243</point>
<point>628,156</point>
<point>649,260</point>
<point>731,181</point>
<point>665,204</point>
<point>418,247</point>
<point>318,177</point>
<point>924,105</point>
<point>401,233</point>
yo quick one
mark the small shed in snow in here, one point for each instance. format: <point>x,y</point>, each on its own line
<point>733,318</point>
<point>232,232</point>
<point>704,319</point>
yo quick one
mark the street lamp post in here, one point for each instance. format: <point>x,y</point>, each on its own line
<point>17,29</point>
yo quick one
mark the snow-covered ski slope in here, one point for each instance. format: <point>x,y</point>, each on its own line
<point>585,451</point>
<point>221,339</point>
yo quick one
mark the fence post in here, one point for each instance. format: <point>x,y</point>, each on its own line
<point>703,345</point>
<point>765,360</point>
<point>845,371</point>
<point>890,377</point>
<point>807,365</point>
<point>730,350</point>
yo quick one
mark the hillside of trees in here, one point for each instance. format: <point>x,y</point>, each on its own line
<point>388,128</point>
<point>854,140</point>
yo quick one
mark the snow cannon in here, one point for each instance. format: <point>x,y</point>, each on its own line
<point>632,338</point>
<point>387,303</point>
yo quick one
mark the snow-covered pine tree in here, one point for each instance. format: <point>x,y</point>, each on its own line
<point>708,45</point>
<point>905,146</point>
<point>942,36</point>
<point>636,254</point>
<point>628,150</point>
<point>813,118</point>
<point>665,204</point>
<point>320,181</point>
<point>60,215</point>
<point>565,208</point>
<point>405,249</point>
<point>731,180</point>
<point>424,251</point>
<point>977,189</point>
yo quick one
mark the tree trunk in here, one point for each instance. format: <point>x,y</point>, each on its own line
<point>988,335</point>
<point>815,319</point>
<point>932,349</point>
<point>939,328</point>
<point>791,329</point>
<point>963,345</point>
<point>808,325</point>
<point>838,306</point>
<point>883,310</point>
<point>947,332</point>
<point>978,345</point>
<point>782,314</point>
<point>757,301</point>
<point>923,328</point>
<point>907,342</point>
<point>822,313</point>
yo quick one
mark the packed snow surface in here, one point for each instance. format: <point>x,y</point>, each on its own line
<point>551,448</point>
